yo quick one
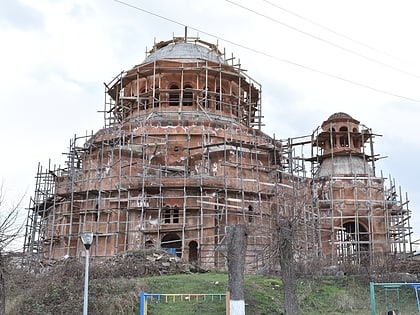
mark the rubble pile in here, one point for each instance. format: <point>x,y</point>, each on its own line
<point>141,263</point>
<point>149,262</point>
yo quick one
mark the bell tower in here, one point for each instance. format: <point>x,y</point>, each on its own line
<point>349,196</point>
<point>342,147</point>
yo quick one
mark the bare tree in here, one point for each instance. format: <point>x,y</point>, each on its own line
<point>10,231</point>
<point>285,242</point>
<point>290,236</point>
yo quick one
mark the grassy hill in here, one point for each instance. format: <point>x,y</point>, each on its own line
<point>114,288</point>
<point>263,295</point>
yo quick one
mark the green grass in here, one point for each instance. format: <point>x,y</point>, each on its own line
<point>213,283</point>
<point>264,295</point>
<point>326,295</point>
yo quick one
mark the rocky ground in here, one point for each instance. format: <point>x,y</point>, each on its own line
<point>128,264</point>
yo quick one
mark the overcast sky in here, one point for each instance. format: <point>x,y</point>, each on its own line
<point>312,58</point>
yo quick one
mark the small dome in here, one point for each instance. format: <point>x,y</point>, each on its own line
<point>340,115</point>
<point>185,50</point>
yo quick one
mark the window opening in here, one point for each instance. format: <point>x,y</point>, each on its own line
<point>218,99</point>
<point>156,99</point>
<point>332,138</point>
<point>250,213</point>
<point>167,215</point>
<point>174,95</point>
<point>144,99</point>
<point>344,140</point>
<point>187,96</point>
<point>206,97</point>
<point>176,214</point>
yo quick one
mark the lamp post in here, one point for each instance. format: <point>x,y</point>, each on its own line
<point>87,238</point>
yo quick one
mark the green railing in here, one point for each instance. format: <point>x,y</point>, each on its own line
<point>392,287</point>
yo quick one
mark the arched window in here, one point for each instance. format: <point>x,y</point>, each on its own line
<point>356,141</point>
<point>95,215</point>
<point>167,215</point>
<point>344,138</point>
<point>332,138</point>
<point>176,214</point>
<point>187,96</point>
<point>156,98</point>
<point>250,213</point>
<point>174,95</point>
<point>234,104</point>
<point>219,215</point>
<point>218,100</point>
<point>143,99</point>
<point>206,97</point>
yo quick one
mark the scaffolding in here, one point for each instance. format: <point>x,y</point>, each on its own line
<point>181,156</point>
<point>40,204</point>
<point>364,218</point>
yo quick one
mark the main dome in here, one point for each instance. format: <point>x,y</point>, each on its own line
<point>181,49</point>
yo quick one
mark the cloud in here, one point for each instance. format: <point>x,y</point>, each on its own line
<point>15,14</point>
<point>59,52</point>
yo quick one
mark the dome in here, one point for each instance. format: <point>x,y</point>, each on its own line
<point>185,50</point>
<point>340,115</point>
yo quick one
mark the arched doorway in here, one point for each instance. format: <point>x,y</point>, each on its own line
<point>172,243</point>
<point>193,252</point>
<point>353,242</point>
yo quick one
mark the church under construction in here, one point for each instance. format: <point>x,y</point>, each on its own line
<point>181,157</point>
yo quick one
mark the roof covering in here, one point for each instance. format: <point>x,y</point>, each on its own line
<point>340,115</point>
<point>184,50</point>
